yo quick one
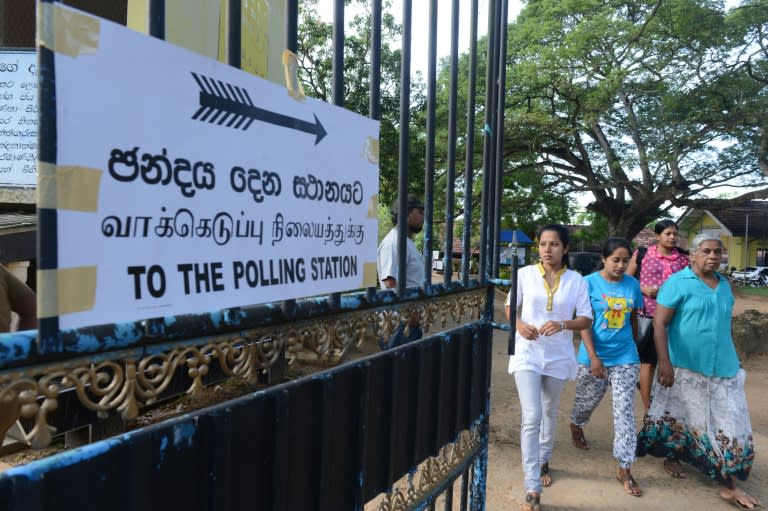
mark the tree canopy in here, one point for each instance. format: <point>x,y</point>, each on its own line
<point>643,104</point>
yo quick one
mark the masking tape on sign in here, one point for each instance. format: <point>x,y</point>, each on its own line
<point>373,207</point>
<point>371,150</point>
<point>369,275</point>
<point>292,83</point>
<point>65,291</point>
<point>68,187</point>
<point>67,31</point>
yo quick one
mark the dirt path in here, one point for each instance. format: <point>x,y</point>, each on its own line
<point>586,479</point>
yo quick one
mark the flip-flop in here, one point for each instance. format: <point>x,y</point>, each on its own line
<point>577,437</point>
<point>673,468</point>
<point>629,484</point>
<point>545,476</point>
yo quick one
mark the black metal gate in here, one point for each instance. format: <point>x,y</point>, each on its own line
<point>402,429</point>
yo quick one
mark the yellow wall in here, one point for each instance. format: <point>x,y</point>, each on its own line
<point>263,37</point>
<point>194,24</point>
<point>201,26</point>
<point>138,15</point>
<point>754,244</point>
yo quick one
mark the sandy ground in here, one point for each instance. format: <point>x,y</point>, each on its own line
<point>586,479</point>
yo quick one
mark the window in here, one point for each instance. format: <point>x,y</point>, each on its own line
<point>762,257</point>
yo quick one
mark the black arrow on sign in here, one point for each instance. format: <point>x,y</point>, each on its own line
<point>222,102</point>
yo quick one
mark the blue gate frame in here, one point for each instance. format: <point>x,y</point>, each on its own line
<point>402,429</point>
<point>332,441</point>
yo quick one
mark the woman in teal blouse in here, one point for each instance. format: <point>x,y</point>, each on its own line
<point>699,409</point>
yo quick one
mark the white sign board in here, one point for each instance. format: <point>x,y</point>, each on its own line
<point>18,118</point>
<point>187,186</point>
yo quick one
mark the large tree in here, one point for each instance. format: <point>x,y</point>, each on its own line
<point>315,61</point>
<point>644,104</point>
<point>749,29</point>
<point>527,201</point>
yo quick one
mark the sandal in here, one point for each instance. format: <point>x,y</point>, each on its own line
<point>546,477</point>
<point>629,483</point>
<point>674,468</point>
<point>577,437</point>
<point>532,502</point>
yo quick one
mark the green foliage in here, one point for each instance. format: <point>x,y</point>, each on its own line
<point>385,221</point>
<point>644,105</point>
<point>527,201</point>
<point>596,233</point>
<point>530,202</point>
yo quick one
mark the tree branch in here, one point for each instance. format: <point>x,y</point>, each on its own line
<point>634,131</point>
<point>614,165</point>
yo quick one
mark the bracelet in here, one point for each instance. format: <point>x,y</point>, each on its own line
<point>562,325</point>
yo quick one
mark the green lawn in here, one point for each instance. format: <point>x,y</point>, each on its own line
<point>753,291</point>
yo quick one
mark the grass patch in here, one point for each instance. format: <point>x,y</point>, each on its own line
<point>753,291</point>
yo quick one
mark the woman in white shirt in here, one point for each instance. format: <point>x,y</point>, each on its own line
<point>553,301</point>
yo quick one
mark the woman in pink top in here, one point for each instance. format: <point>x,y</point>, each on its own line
<point>660,261</point>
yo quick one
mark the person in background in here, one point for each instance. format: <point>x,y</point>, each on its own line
<point>387,265</point>
<point>699,410</point>
<point>16,296</point>
<point>553,302</point>
<point>608,356</point>
<point>653,266</point>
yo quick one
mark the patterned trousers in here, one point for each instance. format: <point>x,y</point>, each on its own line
<point>589,393</point>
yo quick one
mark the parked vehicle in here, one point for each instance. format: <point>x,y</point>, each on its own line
<point>748,274</point>
<point>761,280</point>
<point>584,262</point>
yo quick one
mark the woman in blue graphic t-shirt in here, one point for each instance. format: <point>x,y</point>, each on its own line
<point>608,356</point>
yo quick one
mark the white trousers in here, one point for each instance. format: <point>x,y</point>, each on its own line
<point>539,399</point>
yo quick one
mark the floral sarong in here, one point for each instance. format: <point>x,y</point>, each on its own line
<point>703,421</point>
